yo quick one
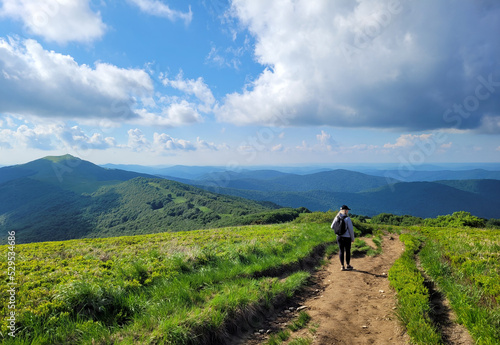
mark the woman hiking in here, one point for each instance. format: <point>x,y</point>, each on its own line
<point>345,238</point>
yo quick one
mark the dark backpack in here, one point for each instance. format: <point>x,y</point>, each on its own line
<point>339,227</point>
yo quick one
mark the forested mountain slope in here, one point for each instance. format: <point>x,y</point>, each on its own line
<point>60,198</point>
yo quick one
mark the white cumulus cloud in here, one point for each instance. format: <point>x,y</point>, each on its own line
<point>172,115</point>
<point>197,87</point>
<point>326,141</point>
<point>53,136</point>
<point>43,83</point>
<point>408,140</point>
<point>75,138</point>
<point>39,137</point>
<point>159,9</point>
<point>165,142</point>
<point>137,140</point>
<point>58,21</point>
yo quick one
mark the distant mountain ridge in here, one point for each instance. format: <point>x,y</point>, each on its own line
<point>423,173</point>
<point>262,180</point>
<point>421,199</point>
<point>429,176</point>
<point>369,195</point>
<point>178,171</point>
<point>63,197</point>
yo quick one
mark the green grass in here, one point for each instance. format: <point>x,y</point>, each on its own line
<point>301,341</point>
<point>465,265</point>
<point>301,322</point>
<point>413,297</point>
<point>204,209</point>
<point>179,200</point>
<point>283,335</point>
<point>360,247</point>
<point>278,338</point>
<point>378,242</point>
<point>172,288</point>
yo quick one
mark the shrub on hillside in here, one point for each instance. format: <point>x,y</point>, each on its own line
<point>361,229</point>
<point>316,217</point>
<point>456,220</point>
<point>392,219</point>
<point>281,215</point>
<point>360,218</point>
<point>493,223</point>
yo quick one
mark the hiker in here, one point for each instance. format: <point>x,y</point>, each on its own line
<point>345,237</point>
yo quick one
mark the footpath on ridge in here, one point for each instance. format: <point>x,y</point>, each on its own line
<point>349,307</point>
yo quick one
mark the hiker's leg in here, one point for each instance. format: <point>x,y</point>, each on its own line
<point>347,244</point>
<point>341,250</point>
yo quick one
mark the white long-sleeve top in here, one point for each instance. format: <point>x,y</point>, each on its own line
<point>348,222</point>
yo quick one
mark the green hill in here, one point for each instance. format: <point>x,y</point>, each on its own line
<point>484,186</point>
<point>67,172</point>
<point>60,198</point>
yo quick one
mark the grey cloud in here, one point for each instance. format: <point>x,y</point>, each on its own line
<point>408,64</point>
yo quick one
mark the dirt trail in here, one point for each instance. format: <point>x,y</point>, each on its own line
<point>357,307</point>
<point>350,307</point>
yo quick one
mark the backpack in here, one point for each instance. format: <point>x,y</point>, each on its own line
<point>339,227</point>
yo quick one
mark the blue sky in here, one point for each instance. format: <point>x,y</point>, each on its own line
<point>239,83</point>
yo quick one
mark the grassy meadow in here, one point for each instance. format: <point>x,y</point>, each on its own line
<point>168,288</point>
<point>207,286</point>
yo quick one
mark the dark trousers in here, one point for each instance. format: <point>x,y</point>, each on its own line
<point>344,248</point>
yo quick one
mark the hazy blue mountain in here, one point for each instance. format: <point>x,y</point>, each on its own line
<point>244,174</point>
<point>430,199</point>
<point>333,181</point>
<point>177,171</point>
<point>490,188</point>
<point>143,169</point>
<point>437,175</point>
<point>421,199</point>
<point>370,195</point>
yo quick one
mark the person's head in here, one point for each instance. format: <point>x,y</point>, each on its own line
<point>344,209</point>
